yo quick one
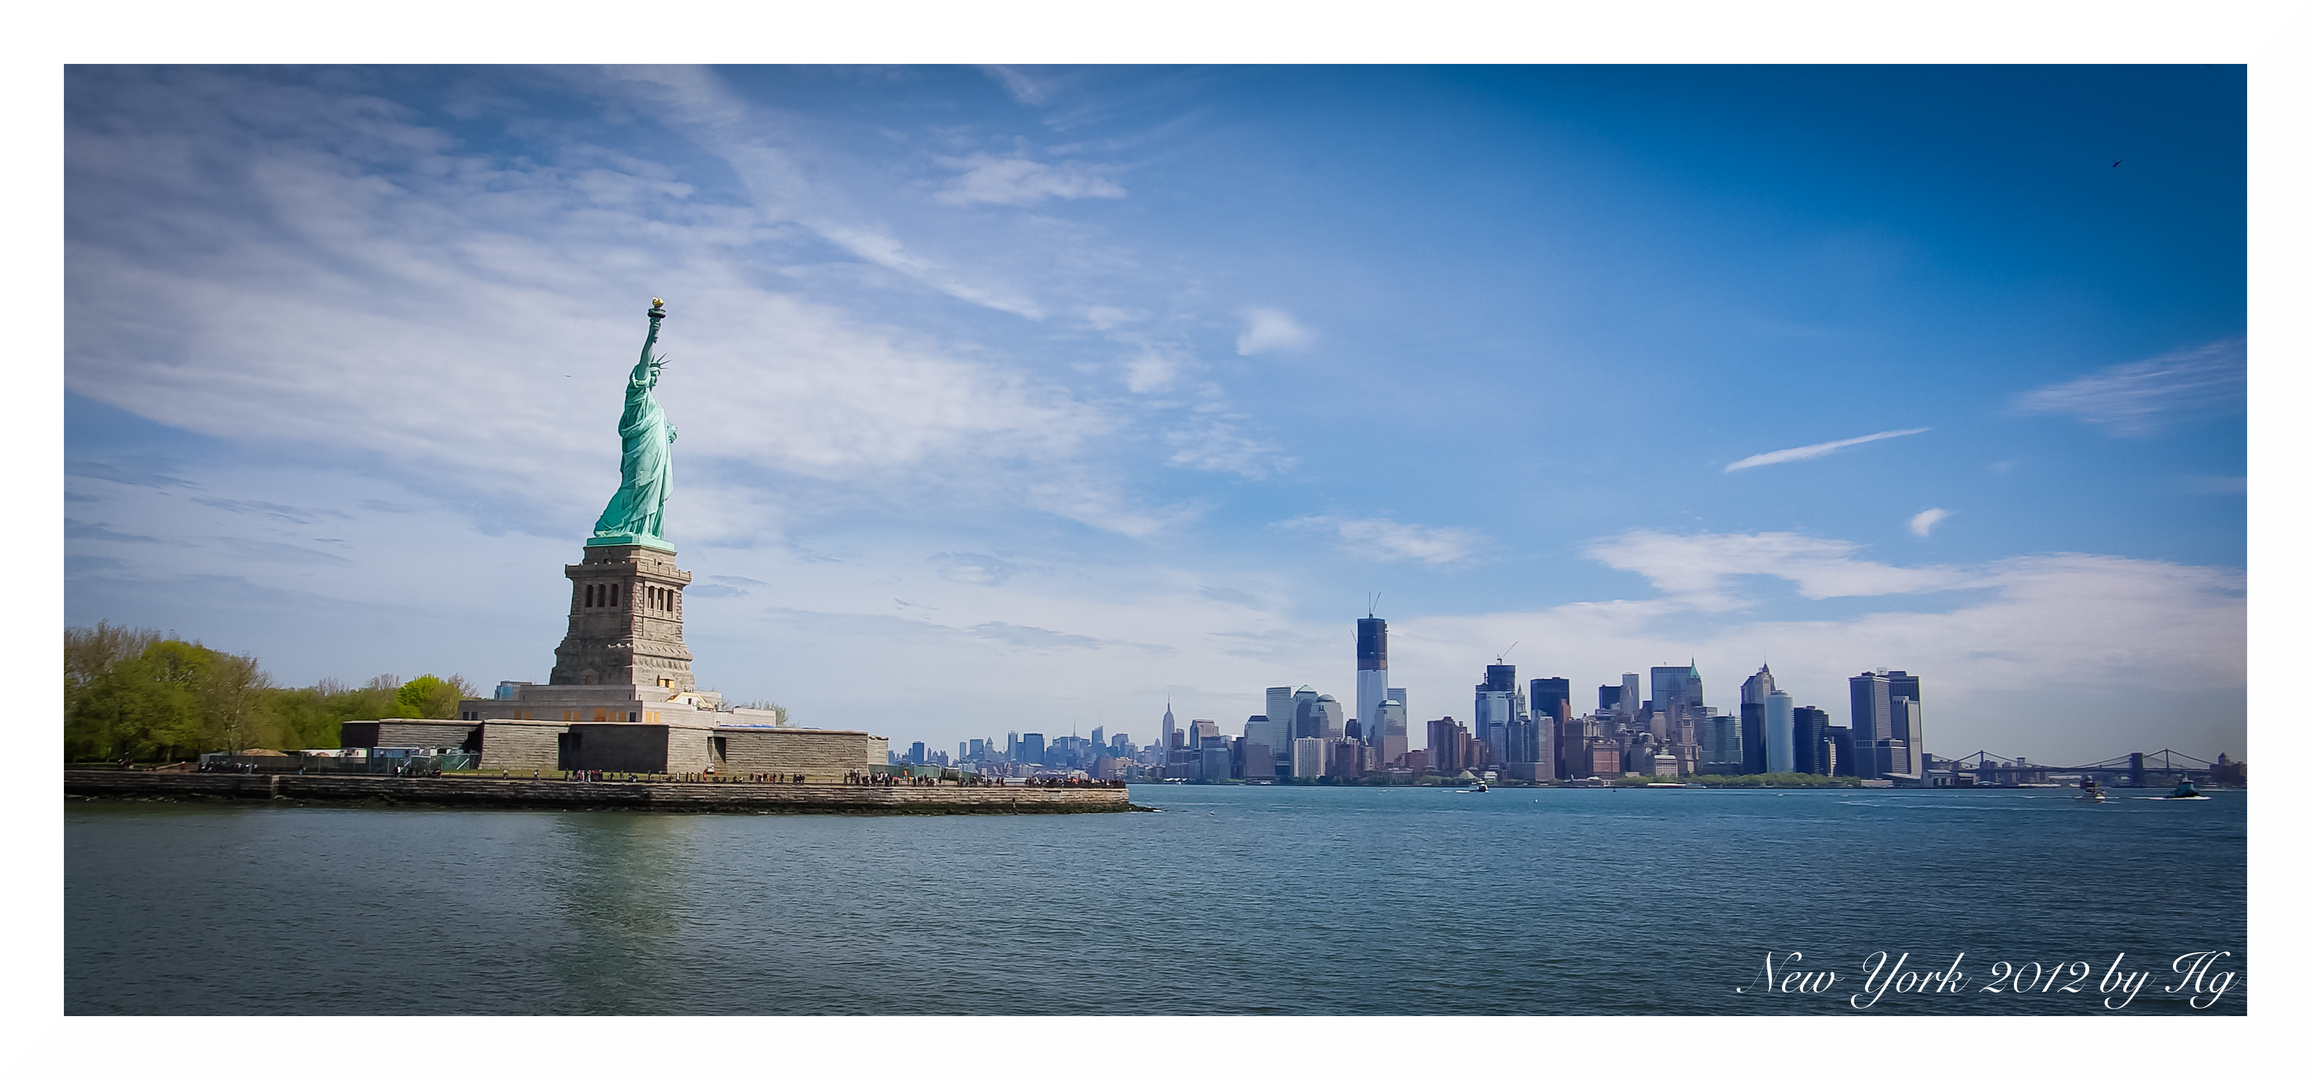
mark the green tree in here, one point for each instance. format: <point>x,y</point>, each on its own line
<point>432,697</point>
<point>312,717</point>
<point>130,710</point>
<point>134,693</point>
<point>235,702</point>
<point>140,694</point>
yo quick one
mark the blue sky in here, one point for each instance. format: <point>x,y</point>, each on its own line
<point>1028,399</point>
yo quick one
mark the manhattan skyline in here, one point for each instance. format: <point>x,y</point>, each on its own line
<point>1028,400</point>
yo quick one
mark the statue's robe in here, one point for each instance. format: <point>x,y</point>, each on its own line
<point>646,469</point>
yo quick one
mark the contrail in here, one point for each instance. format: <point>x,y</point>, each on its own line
<point>1800,453</point>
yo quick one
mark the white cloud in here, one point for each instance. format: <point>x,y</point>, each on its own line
<point>1107,317</point>
<point>760,149</point>
<point>1382,540</point>
<point>1800,453</point>
<point>970,568</point>
<point>1213,444</point>
<point>1022,89</point>
<point>1925,521</point>
<point>1018,181</point>
<point>885,251</point>
<point>1698,571</point>
<point>2070,656</point>
<point>1270,330</point>
<point>430,322</point>
<point>2140,398</point>
<point>1151,369</point>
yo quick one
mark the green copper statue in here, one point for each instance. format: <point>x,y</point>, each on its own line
<point>637,513</point>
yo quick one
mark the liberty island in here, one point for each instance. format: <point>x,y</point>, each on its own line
<point>621,705</point>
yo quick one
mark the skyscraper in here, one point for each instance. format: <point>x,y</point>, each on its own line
<point>1631,696</point>
<point>1391,742</point>
<point>1754,741</point>
<point>1333,715</point>
<point>1171,727</point>
<point>1303,706</point>
<point>1448,746</point>
<point>1910,730</point>
<point>1780,737</point>
<point>1721,745</point>
<point>1279,707</point>
<point>1260,740</point>
<point>1902,684</point>
<point>1371,670</point>
<point>1677,691</point>
<point>1552,698</point>
<point>1498,701</point>
<point>1873,719</point>
<point>1903,704</point>
<point>1809,736</point>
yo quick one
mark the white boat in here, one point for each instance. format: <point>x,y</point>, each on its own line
<point>2089,791</point>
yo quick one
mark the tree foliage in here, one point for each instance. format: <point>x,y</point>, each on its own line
<point>134,693</point>
<point>139,694</point>
<point>431,697</point>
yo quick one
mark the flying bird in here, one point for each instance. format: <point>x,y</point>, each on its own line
<point>2114,164</point>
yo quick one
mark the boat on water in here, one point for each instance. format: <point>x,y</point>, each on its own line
<point>2186,790</point>
<point>2089,791</point>
<point>1478,788</point>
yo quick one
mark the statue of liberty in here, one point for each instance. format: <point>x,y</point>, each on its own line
<point>637,513</point>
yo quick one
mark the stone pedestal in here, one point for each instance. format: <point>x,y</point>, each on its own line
<point>625,621</point>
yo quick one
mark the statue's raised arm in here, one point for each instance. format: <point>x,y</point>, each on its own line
<point>637,513</point>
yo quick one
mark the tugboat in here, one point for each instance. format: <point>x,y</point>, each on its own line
<point>2185,790</point>
<point>2089,791</point>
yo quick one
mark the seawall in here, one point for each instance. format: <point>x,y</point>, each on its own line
<point>593,795</point>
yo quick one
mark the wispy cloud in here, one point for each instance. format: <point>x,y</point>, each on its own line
<point>971,568</point>
<point>1022,89</point>
<point>1018,181</point>
<point>1214,444</point>
<point>81,530</point>
<point>1151,369</point>
<point>1272,330</point>
<point>1698,570</point>
<point>1925,521</point>
<point>1800,453</point>
<point>2138,399</point>
<point>1393,541</point>
<point>370,277</point>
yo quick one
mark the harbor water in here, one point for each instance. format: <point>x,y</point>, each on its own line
<point>1261,900</point>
